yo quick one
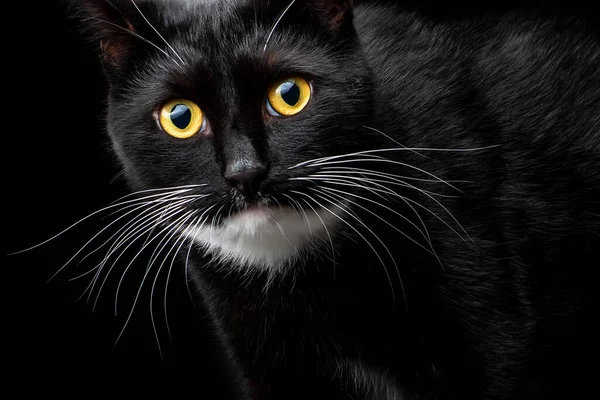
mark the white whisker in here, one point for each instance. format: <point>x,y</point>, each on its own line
<point>156,203</point>
<point>86,273</point>
<point>326,232</point>
<point>135,34</point>
<point>109,207</point>
<point>388,180</point>
<point>136,233</point>
<point>201,220</point>
<point>147,243</point>
<point>356,231</point>
<point>391,149</point>
<point>346,182</point>
<point>151,215</point>
<point>325,197</point>
<point>166,240</point>
<point>426,236</point>
<point>394,193</point>
<point>406,199</point>
<point>182,239</point>
<point>279,17</point>
<point>368,171</point>
<point>172,189</point>
<point>94,237</point>
<point>394,140</point>
<point>385,190</point>
<point>385,160</point>
<point>296,205</point>
<point>188,214</point>
<point>158,33</point>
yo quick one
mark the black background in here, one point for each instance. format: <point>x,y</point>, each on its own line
<point>59,169</point>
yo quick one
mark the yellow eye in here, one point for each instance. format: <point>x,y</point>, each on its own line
<point>288,96</point>
<point>181,118</point>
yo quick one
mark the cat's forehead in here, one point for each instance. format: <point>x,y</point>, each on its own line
<point>184,6</point>
<point>199,3</point>
<point>192,3</point>
<point>176,11</point>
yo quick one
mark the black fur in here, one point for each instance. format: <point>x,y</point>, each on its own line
<point>502,309</point>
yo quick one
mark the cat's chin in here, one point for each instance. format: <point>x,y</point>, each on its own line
<point>266,237</point>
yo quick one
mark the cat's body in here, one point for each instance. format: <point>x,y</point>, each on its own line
<point>451,260</point>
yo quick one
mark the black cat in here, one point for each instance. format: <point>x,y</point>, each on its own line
<point>372,200</point>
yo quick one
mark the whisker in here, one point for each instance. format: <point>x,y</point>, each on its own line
<point>155,252</point>
<point>358,182</point>
<point>279,17</point>
<point>123,228</point>
<point>116,177</point>
<point>427,238</point>
<point>284,235</point>
<point>356,231</point>
<point>158,33</point>
<point>386,174</point>
<point>109,207</point>
<point>173,201</point>
<point>315,161</point>
<point>135,34</point>
<point>425,192</point>
<point>153,215</point>
<point>346,182</point>
<point>388,180</point>
<point>157,221</point>
<point>381,242</point>
<point>189,213</point>
<point>387,191</point>
<point>173,189</point>
<point>136,234</point>
<point>202,220</point>
<point>299,208</point>
<point>152,258</point>
<point>92,239</point>
<point>152,288</point>
<point>215,218</point>
<point>182,240</point>
<point>83,274</point>
<point>394,140</point>
<point>230,210</point>
<point>393,193</point>
<point>326,232</point>
<point>186,266</point>
<point>385,160</point>
<point>429,195</point>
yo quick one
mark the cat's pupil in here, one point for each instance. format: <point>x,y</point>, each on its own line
<point>181,116</point>
<point>290,92</point>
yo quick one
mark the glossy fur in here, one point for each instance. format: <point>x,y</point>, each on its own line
<point>463,272</point>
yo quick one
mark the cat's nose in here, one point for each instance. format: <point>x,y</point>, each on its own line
<point>245,176</point>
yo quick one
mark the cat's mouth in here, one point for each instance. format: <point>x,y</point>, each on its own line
<point>259,205</point>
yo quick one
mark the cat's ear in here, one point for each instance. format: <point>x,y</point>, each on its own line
<point>110,25</point>
<point>332,14</point>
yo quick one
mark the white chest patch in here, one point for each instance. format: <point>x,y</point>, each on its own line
<point>370,382</point>
<point>268,238</point>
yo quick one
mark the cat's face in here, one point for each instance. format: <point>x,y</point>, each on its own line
<point>227,104</point>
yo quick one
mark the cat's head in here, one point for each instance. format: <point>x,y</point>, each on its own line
<point>230,103</point>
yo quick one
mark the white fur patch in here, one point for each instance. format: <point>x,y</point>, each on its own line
<point>267,238</point>
<point>371,382</point>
